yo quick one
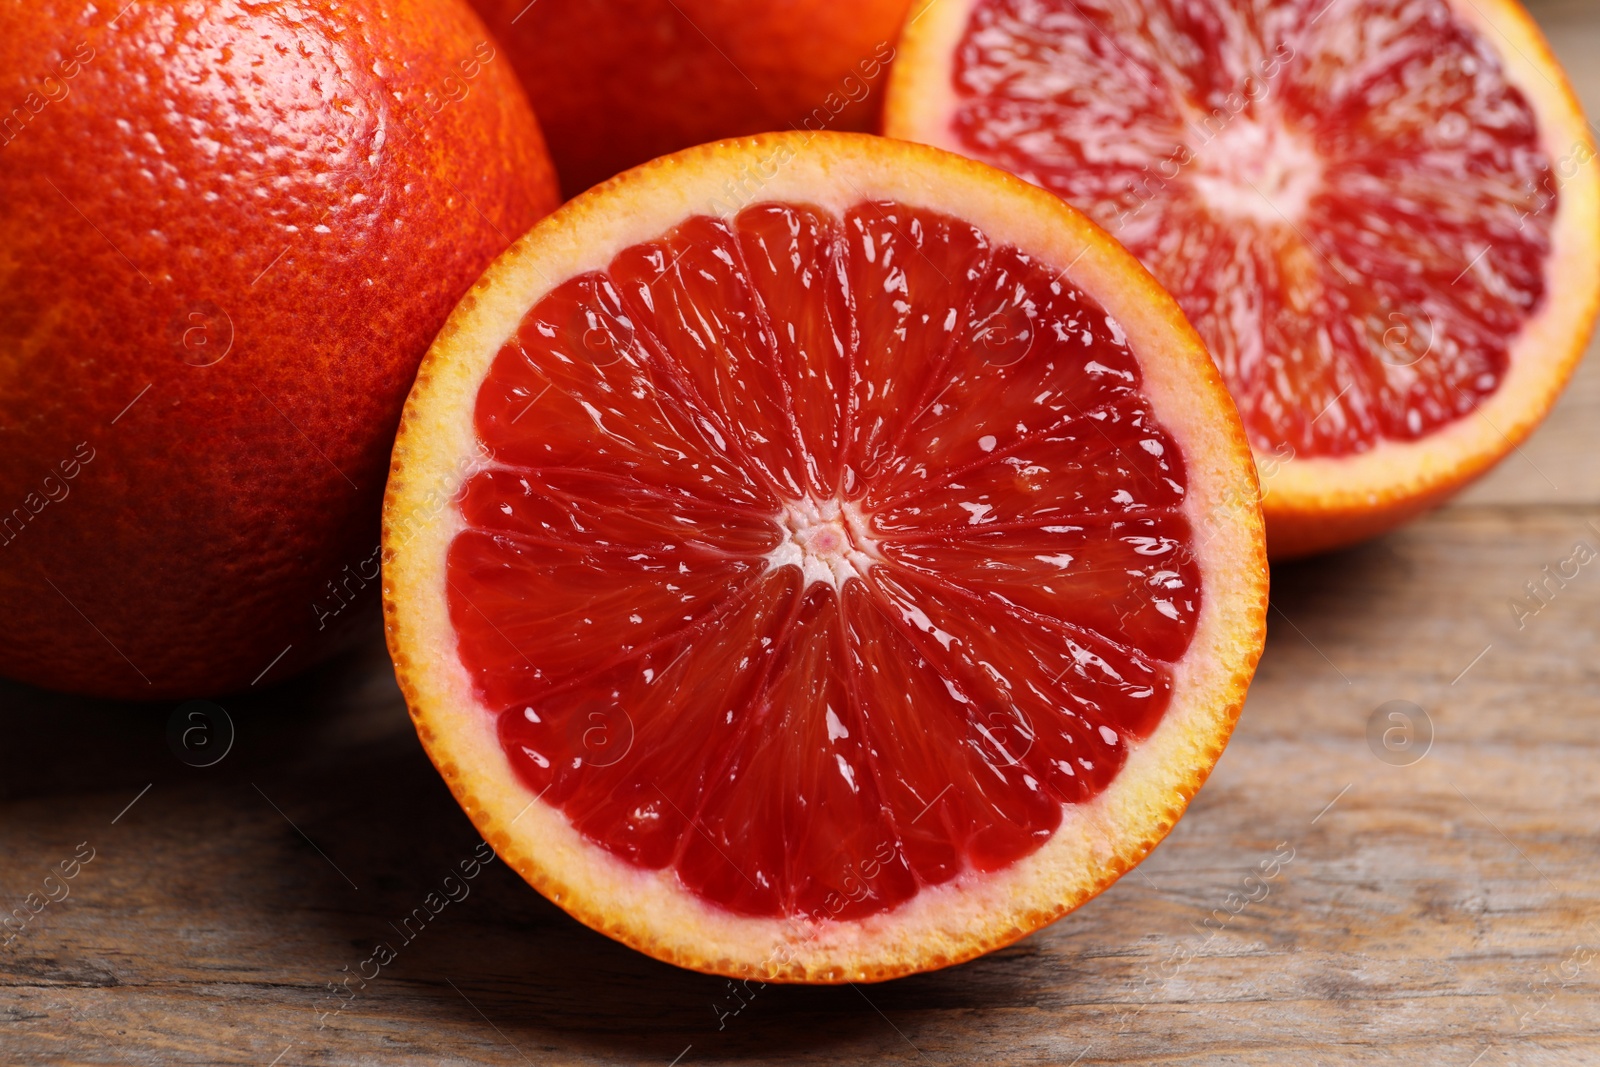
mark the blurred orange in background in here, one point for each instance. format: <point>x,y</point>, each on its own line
<point>619,82</point>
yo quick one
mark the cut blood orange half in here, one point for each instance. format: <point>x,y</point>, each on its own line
<point>1383,216</point>
<point>829,584</point>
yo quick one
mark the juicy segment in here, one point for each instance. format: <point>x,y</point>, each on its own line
<point>1348,199</point>
<point>821,558</point>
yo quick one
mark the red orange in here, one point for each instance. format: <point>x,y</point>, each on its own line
<point>227,233</point>
<point>1382,216</point>
<point>833,586</point>
<point>619,82</point>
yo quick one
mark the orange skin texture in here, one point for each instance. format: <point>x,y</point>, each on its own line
<point>301,188</point>
<point>620,82</point>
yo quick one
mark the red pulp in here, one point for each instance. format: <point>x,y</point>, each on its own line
<point>1348,198</point>
<point>821,558</point>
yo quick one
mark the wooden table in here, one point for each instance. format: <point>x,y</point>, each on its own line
<point>1446,912</point>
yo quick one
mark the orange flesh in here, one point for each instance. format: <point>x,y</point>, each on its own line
<point>1348,199</point>
<point>820,559</point>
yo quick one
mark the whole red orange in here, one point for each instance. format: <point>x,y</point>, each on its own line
<point>228,232</point>
<point>618,82</point>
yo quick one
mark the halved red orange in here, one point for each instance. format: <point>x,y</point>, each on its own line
<point>1383,216</point>
<point>828,586</point>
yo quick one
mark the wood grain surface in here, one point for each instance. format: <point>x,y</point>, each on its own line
<point>1443,912</point>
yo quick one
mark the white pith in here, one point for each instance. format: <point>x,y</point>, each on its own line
<point>1259,170</point>
<point>829,540</point>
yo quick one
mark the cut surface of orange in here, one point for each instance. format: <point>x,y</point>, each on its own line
<point>825,587</point>
<point>1383,216</point>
